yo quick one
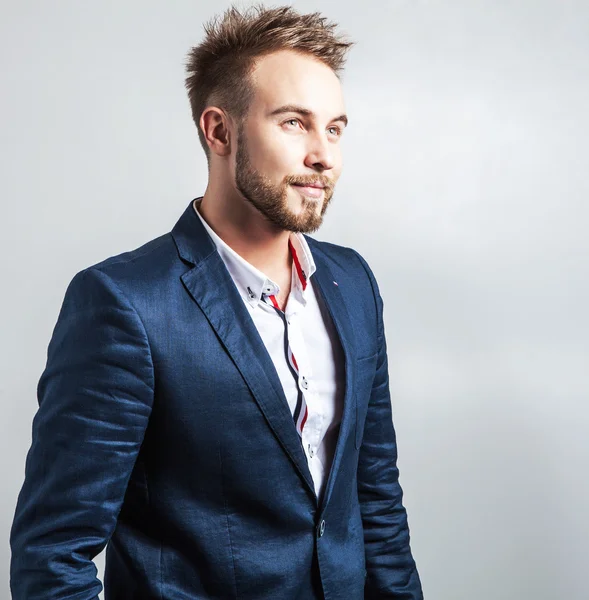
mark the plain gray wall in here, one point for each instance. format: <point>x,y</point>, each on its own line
<point>465,186</point>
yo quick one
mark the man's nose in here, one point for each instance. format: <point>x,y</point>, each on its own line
<point>320,156</point>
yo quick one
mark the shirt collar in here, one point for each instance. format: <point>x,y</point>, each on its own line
<point>251,283</point>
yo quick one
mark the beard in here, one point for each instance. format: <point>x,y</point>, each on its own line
<point>271,200</point>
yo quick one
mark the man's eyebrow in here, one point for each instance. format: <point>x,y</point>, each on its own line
<point>293,108</point>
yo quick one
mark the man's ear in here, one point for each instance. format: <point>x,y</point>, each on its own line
<point>214,123</point>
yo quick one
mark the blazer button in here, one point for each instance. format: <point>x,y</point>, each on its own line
<point>322,528</point>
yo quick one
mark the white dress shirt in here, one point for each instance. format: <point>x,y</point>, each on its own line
<point>312,338</point>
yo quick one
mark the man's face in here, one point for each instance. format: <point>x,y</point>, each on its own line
<point>288,155</point>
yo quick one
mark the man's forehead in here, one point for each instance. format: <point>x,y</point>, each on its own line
<point>291,78</point>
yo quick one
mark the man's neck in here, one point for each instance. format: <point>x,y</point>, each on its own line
<point>245,231</point>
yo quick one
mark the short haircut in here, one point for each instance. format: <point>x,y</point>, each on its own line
<point>218,68</point>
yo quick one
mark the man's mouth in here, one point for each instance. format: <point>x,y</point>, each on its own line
<point>314,190</point>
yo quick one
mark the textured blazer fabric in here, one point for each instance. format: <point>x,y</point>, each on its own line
<point>163,431</point>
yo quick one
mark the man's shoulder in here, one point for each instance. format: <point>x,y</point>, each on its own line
<point>135,256</point>
<point>137,271</point>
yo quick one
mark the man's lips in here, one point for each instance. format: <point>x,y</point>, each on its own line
<point>315,190</point>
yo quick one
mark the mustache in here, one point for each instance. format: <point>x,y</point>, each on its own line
<point>322,180</point>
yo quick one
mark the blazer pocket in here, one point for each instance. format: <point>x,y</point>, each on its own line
<point>365,372</point>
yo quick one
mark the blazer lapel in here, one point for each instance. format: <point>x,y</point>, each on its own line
<point>210,285</point>
<point>333,298</point>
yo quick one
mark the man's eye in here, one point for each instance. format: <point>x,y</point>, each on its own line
<point>294,122</point>
<point>335,130</point>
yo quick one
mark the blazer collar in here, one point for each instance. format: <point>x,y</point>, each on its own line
<point>193,243</point>
<point>335,301</point>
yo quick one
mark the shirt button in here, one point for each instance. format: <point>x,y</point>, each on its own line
<point>311,453</point>
<point>322,528</point>
<point>304,383</point>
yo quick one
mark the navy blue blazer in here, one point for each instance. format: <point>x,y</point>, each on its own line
<point>163,431</point>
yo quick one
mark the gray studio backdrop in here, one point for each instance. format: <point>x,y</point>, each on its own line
<point>465,186</point>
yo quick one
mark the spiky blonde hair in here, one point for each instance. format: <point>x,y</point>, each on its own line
<point>218,68</point>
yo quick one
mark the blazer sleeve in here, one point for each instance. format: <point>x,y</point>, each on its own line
<point>390,568</point>
<point>95,397</point>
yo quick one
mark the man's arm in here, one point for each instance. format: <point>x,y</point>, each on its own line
<point>391,570</point>
<point>95,398</point>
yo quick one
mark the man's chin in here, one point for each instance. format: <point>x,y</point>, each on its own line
<point>310,224</point>
<point>302,204</point>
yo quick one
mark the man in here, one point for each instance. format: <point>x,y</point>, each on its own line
<point>215,404</point>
